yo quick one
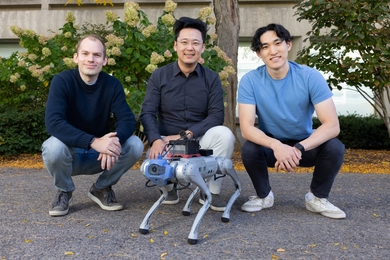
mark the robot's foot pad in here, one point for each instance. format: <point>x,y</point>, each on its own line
<point>192,241</point>
<point>225,220</point>
<point>143,231</point>
<point>185,213</point>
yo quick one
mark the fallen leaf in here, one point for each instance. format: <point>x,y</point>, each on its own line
<point>165,232</point>
<point>274,257</point>
<point>69,253</point>
<point>28,241</point>
<point>280,250</point>
<point>151,240</point>
<point>162,255</point>
<point>206,236</point>
<point>87,225</point>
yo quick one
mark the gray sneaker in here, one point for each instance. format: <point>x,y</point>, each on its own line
<point>173,197</point>
<point>323,206</point>
<point>60,206</point>
<point>217,204</point>
<point>105,198</point>
<point>256,204</point>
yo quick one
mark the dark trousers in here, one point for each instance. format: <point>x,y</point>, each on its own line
<point>326,159</point>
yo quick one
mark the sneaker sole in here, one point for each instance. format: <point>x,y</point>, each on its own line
<point>170,202</point>
<point>250,209</point>
<point>112,208</point>
<point>327,214</point>
<point>212,207</point>
<point>59,213</point>
<point>255,209</point>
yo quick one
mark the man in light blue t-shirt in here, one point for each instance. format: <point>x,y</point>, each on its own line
<point>284,96</point>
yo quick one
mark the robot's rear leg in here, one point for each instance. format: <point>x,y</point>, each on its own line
<point>186,210</point>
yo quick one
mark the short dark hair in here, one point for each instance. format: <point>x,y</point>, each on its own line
<point>280,31</point>
<point>187,22</point>
<point>92,37</point>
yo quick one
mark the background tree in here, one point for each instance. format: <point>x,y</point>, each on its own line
<point>227,28</point>
<point>349,41</point>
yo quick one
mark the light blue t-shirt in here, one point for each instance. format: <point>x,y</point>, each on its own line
<point>284,107</point>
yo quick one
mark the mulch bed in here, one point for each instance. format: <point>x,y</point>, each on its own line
<point>355,161</point>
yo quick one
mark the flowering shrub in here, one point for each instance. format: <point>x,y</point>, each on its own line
<point>135,48</point>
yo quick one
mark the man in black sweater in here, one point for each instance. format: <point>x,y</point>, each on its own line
<point>79,108</point>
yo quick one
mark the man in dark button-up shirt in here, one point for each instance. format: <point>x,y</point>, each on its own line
<point>185,96</point>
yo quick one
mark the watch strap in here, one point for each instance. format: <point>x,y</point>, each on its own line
<point>300,147</point>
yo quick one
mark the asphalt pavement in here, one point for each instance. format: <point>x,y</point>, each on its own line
<point>285,231</point>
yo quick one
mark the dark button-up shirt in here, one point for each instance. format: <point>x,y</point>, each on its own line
<point>174,102</point>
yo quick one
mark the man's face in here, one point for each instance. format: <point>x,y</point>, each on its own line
<point>90,59</point>
<point>274,51</point>
<point>189,47</point>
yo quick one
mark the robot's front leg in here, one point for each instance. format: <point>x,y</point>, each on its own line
<point>144,227</point>
<point>198,180</point>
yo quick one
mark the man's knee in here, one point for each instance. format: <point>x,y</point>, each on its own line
<point>53,149</point>
<point>133,146</point>
<point>248,149</point>
<point>335,147</point>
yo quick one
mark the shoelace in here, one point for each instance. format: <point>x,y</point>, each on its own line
<point>253,197</point>
<point>321,202</point>
<point>61,199</point>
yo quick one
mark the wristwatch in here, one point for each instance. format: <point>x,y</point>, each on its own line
<point>300,147</point>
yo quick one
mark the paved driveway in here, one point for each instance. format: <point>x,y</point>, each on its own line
<point>285,231</point>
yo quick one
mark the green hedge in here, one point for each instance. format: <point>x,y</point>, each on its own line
<point>24,132</point>
<point>358,132</point>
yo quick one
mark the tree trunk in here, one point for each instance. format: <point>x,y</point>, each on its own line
<point>227,28</point>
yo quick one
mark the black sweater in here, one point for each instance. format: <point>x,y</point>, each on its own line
<point>77,112</point>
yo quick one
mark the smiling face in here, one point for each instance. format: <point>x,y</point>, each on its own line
<point>189,47</point>
<point>274,53</point>
<point>90,59</point>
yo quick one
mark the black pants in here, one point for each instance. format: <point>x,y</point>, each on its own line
<point>326,158</point>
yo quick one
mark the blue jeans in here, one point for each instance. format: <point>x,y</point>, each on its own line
<point>63,162</point>
<point>326,159</point>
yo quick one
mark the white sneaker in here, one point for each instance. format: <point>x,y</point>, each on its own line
<point>256,204</point>
<point>323,206</point>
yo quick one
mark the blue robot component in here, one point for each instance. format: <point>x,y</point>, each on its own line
<point>158,171</point>
<point>186,170</point>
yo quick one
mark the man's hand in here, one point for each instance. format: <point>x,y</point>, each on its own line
<point>109,147</point>
<point>156,149</point>
<point>287,157</point>
<point>159,145</point>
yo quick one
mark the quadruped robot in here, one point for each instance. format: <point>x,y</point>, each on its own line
<point>185,163</point>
